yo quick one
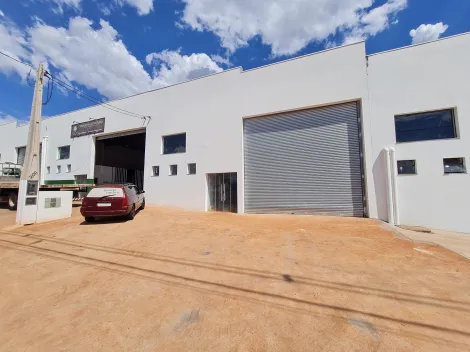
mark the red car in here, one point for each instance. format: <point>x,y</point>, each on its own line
<point>113,200</point>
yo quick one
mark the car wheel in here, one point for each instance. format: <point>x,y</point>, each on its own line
<point>12,201</point>
<point>89,218</point>
<point>131,215</point>
<point>142,207</point>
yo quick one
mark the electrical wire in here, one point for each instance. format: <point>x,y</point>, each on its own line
<point>11,57</point>
<point>28,79</point>
<point>93,99</point>
<point>77,92</point>
<point>50,90</point>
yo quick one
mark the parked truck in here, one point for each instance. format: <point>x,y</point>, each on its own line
<point>10,174</point>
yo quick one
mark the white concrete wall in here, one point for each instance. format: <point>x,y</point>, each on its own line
<point>57,129</point>
<point>49,214</point>
<point>421,78</point>
<point>211,112</point>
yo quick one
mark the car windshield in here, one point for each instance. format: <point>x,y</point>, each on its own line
<point>106,192</point>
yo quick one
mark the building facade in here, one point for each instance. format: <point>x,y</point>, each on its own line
<point>303,136</point>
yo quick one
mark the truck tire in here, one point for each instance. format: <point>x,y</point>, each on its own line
<point>12,201</point>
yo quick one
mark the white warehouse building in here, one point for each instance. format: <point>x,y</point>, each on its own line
<point>337,132</point>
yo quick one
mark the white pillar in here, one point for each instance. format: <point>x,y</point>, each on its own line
<point>394,174</point>
<point>392,186</point>
<point>388,172</point>
<point>45,141</point>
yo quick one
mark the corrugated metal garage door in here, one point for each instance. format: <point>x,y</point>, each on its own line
<point>305,162</point>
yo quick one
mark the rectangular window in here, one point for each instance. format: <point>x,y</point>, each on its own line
<point>173,170</point>
<point>425,126</point>
<point>58,169</point>
<point>454,166</point>
<point>63,152</point>
<point>20,155</point>
<point>192,169</point>
<point>155,170</point>
<point>174,144</point>
<point>48,170</point>
<point>69,168</point>
<point>52,202</point>
<point>406,167</point>
<point>80,179</point>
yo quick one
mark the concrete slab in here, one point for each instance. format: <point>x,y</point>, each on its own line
<point>454,241</point>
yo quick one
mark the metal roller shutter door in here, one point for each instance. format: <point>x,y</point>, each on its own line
<point>305,162</point>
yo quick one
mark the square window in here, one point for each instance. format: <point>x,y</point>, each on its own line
<point>80,179</point>
<point>454,166</point>
<point>173,170</point>
<point>425,126</point>
<point>174,144</point>
<point>63,152</point>
<point>406,167</point>
<point>192,169</point>
<point>58,169</point>
<point>155,170</point>
<point>48,170</point>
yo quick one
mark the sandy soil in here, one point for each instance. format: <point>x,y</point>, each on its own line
<point>176,280</point>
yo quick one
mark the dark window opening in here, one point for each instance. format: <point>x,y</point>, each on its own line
<point>406,167</point>
<point>63,152</point>
<point>192,169</point>
<point>173,170</point>
<point>425,126</point>
<point>174,144</point>
<point>155,170</point>
<point>454,166</point>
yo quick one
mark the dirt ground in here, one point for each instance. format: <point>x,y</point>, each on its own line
<point>175,280</point>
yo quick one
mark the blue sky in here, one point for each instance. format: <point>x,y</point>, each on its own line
<point>117,48</point>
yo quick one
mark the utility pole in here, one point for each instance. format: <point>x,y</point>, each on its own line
<point>29,181</point>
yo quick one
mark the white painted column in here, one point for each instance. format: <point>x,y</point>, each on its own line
<point>45,141</point>
<point>394,175</point>
<point>392,187</point>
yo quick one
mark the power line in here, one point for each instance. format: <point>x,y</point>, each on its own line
<point>11,57</point>
<point>77,91</point>
<point>92,98</point>
<point>50,90</point>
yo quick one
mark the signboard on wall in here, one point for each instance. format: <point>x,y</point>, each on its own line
<point>87,128</point>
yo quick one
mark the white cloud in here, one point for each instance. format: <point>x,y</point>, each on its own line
<point>12,43</point>
<point>221,60</point>
<point>375,21</point>
<point>172,67</point>
<point>1,13</point>
<point>143,7</point>
<point>287,25</point>
<point>5,118</point>
<point>105,9</point>
<point>428,32</point>
<point>61,4</point>
<point>96,58</point>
